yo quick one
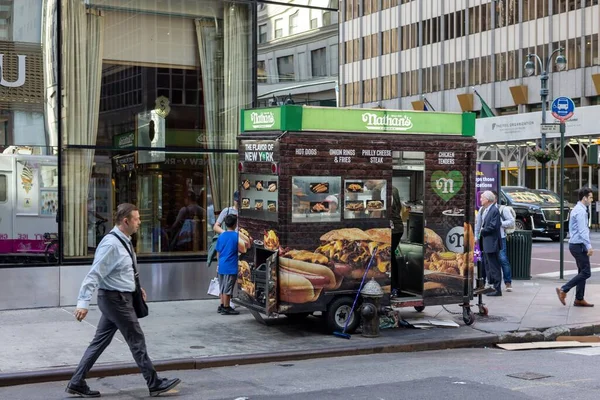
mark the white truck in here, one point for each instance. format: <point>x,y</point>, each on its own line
<point>28,205</point>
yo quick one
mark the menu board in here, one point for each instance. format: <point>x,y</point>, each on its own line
<point>258,196</point>
<point>365,198</point>
<point>316,199</point>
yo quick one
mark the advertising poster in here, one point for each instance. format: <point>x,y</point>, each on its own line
<point>313,230</point>
<point>48,202</point>
<point>448,237</point>
<point>488,178</point>
<point>28,187</point>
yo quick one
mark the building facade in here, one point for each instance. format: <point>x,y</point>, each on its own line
<point>423,54</point>
<point>298,53</point>
<point>148,95</point>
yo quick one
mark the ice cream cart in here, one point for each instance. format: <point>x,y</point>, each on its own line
<point>316,188</point>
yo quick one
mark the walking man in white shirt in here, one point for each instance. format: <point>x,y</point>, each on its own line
<point>112,271</point>
<point>581,249</point>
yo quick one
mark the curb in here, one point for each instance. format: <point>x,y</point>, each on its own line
<point>115,369</point>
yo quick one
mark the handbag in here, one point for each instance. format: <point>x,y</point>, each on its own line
<point>213,287</point>
<point>139,305</point>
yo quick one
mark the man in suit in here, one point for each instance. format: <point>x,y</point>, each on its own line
<point>491,241</point>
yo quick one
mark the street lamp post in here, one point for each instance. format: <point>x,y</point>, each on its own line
<point>561,63</point>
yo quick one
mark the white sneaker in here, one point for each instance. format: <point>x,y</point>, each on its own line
<point>509,287</point>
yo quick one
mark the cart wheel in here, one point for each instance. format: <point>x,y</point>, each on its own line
<point>338,312</point>
<point>483,310</point>
<point>419,308</point>
<point>468,316</point>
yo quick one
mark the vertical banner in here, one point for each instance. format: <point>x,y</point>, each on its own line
<point>488,178</point>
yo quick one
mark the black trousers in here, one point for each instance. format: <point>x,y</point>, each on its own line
<point>579,252</point>
<point>494,270</point>
<point>117,313</point>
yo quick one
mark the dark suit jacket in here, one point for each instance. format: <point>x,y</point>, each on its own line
<point>491,238</point>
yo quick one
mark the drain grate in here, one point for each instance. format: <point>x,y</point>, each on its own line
<point>197,347</point>
<point>529,376</point>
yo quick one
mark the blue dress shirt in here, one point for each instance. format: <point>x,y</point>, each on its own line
<point>578,226</point>
<point>112,269</point>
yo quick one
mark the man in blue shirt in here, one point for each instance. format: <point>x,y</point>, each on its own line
<point>112,272</point>
<point>227,250</point>
<point>581,249</point>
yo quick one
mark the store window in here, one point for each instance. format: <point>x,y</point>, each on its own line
<point>157,105</point>
<point>285,68</point>
<point>319,62</point>
<point>294,23</point>
<point>262,33</point>
<point>591,50</point>
<point>261,72</point>
<point>278,28</point>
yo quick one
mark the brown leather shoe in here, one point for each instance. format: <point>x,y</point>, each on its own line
<point>561,296</point>
<point>582,303</point>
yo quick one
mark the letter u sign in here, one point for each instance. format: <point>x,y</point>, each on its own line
<point>21,77</point>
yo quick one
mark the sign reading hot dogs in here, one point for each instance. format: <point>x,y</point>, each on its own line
<point>260,150</point>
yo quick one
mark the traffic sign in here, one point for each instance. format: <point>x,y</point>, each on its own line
<point>563,108</point>
<point>550,128</point>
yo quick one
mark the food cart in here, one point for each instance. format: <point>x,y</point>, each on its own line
<point>316,189</point>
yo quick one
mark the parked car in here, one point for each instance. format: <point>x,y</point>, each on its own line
<point>551,197</point>
<point>536,212</point>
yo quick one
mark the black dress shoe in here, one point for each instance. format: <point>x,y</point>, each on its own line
<point>83,391</point>
<point>164,386</point>
<point>494,294</point>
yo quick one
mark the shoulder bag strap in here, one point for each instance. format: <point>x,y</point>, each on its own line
<point>135,273</point>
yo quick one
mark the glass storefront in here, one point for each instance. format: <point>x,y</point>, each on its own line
<point>150,105</point>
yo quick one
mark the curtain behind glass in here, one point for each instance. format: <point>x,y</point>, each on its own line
<point>82,74</point>
<point>211,64</point>
<point>236,92</point>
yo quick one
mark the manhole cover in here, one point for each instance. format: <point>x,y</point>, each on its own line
<point>529,376</point>
<point>197,347</point>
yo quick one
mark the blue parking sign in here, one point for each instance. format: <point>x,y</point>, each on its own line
<point>563,108</point>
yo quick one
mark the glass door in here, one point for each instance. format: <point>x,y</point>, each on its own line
<point>150,238</point>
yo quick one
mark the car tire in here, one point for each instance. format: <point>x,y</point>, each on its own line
<point>520,225</point>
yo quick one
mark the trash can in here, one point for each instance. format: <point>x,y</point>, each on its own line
<point>518,250</point>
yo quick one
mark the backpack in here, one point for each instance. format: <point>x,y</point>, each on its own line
<point>510,229</point>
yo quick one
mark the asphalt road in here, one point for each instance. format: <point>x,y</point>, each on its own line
<point>450,374</point>
<point>545,256</point>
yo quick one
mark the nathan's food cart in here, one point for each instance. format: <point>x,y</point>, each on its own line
<point>316,189</point>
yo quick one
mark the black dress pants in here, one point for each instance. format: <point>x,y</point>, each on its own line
<point>117,313</point>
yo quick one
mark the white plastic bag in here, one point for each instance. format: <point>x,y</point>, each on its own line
<point>213,287</point>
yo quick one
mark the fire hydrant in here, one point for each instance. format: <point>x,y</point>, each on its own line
<point>369,311</point>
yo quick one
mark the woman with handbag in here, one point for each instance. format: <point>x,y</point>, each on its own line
<point>121,300</point>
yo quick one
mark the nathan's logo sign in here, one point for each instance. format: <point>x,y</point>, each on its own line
<point>262,120</point>
<point>126,141</point>
<point>387,122</point>
<point>20,81</point>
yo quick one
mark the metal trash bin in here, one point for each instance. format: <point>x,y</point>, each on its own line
<point>518,250</point>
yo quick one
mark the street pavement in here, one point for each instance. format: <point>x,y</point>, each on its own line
<point>459,374</point>
<point>191,334</point>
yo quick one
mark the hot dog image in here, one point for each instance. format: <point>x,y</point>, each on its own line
<point>302,282</point>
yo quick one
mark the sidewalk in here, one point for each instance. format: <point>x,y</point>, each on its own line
<point>46,344</point>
